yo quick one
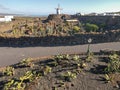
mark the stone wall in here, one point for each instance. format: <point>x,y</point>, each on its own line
<point>110,22</point>
<point>60,40</point>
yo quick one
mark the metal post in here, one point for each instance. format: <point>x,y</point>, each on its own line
<point>88,50</point>
<point>89,42</point>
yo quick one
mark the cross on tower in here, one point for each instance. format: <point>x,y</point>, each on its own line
<point>58,10</point>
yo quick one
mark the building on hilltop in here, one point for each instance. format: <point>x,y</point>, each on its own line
<point>59,18</point>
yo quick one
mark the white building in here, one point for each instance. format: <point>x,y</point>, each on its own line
<point>112,14</point>
<point>109,14</point>
<point>58,10</point>
<point>6,19</point>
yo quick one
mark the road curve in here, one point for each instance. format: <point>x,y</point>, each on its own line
<point>9,55</point>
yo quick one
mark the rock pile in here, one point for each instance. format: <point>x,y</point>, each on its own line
<point>58,19</point>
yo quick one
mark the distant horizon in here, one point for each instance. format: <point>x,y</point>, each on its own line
<point>46,7</point>
<point>51,13</point>
<point>43,15</point>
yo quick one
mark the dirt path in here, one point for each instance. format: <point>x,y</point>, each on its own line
<point>10,55</point>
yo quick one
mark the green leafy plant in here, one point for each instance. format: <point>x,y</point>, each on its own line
<point>114,57</point>
<point>91,27</point>
<point>89,57</point>
<point>9,71</point>
<point>47,70</point>
<point>28,76</point>
<point>113,64</point>
<point>58,57</point>
<point>14,85</point>
<point>76,28</point>
<point>76,57</point>
<point>109,77</point>
<point>20,84</point>
<point>8,84</point>
<point>68,76</point>
<point>67,56</point>
<point>83,65</point>
<point>26,62</point>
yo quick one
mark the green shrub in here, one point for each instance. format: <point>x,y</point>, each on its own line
<point>91,27</point>
<point>76,29</point>
<point>113,64</point>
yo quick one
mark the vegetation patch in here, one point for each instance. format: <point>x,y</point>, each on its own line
<point>60,72</point>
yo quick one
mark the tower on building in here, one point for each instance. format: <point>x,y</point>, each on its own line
<point>58,10</point>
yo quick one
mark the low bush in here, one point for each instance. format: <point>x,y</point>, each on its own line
<point>113,64</point>
<point>91,27</point>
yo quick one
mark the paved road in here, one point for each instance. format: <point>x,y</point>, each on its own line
<point>10,55</point>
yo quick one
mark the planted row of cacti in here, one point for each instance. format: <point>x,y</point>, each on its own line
<point>76,58</point>
<point>59,60</point>
<point>21,82</point>
<point>112,67</point>
<point>78,63</point>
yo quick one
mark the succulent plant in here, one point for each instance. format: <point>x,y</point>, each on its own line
<point>76,57</point>
<point>9,71</point>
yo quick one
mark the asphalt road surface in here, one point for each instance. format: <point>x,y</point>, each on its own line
<point>9,55</point>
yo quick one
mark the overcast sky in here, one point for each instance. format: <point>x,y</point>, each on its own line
<point>45,7</point>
